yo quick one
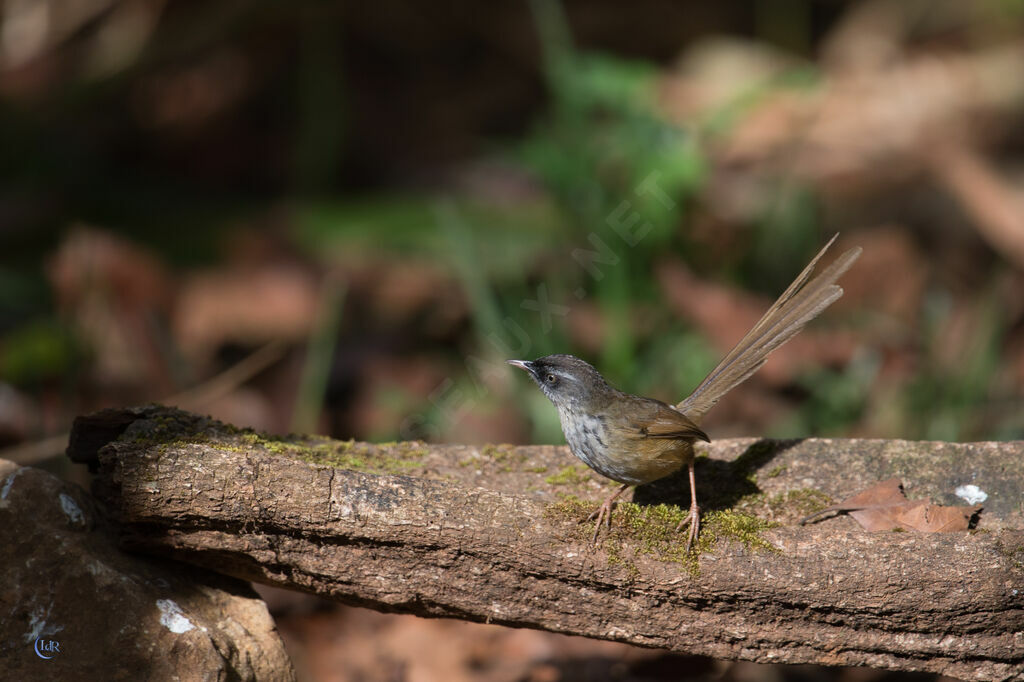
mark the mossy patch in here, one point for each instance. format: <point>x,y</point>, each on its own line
<point>383,458</point>
<point>567,508</point>
<point>653,530</point>
<point>277,447</point>
<point>1014,553</point>
<point>508,458</point>
<point>788,506</point>
<point>802,501</point>
<point>159,429</point>
<point>380,458</point>
<point>732,525</point>
<point>497,453</point>
<point>572,475</point>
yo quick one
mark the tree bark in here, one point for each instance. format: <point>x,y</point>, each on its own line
<point>492,534</point>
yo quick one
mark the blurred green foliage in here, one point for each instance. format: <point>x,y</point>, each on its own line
<point>835,400</point>
<point>618,190</point>
<point>943,400</point>
<point>406,226</point>
<point>595,150</point>
<point>39,350</point>
<point>622,175</point>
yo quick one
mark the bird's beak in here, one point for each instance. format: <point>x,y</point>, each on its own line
<point>522,364</point>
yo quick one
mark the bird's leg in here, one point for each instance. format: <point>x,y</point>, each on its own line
<point>604,512</point>
<point>693,518</point>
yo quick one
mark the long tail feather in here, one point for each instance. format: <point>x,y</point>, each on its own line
<point>799,304</point>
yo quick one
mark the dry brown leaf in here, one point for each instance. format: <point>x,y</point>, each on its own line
<point>248,305</point>
<point>849,134</point>
<point>934,518</point>
<point>883,506</point>
<point>112,290</point>
<point>992,200</point>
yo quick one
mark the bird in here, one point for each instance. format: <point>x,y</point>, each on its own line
<point>636,440</point>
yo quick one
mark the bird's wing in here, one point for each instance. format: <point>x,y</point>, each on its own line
<point>663,421</point>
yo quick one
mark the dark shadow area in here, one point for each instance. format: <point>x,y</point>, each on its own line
<point>683,667</point>
<point>304,625</point>
<point>666,667</point>
<point>720,485</point>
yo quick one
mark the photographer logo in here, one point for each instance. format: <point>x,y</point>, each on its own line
<point>47,648</point>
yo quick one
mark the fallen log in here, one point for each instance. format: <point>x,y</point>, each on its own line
<point>493,534</point>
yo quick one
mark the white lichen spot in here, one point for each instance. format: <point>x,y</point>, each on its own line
<point>71,509</point>
<point>172,617</point>
<point>37,626</point>
<point>971,494</point>
<point>6,490</point>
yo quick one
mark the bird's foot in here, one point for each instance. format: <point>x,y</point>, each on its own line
<point>602,513</point>
<point>693,519</point>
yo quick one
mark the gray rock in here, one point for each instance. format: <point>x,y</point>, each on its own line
<point>73,606</point>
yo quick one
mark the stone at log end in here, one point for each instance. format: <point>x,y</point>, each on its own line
<point>492,534</point>
<point>75,607</point>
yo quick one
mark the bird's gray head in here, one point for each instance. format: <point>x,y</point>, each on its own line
<point>567,381</point>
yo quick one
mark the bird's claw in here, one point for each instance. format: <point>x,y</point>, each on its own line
<point>693,520</point>
<point>602,513</point>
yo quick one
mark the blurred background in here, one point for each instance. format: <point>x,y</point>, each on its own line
<point>343,217</point>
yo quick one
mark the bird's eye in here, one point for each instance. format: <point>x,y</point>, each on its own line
<point>551,379</point>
